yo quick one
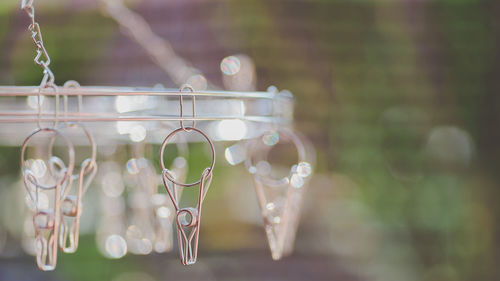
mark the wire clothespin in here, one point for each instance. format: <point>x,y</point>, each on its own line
<point>187,219</point>
<point>72,197</point>
<point>279,198</point>
<point>46,219</point>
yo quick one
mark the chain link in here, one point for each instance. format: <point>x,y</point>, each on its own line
<point>42,57</point>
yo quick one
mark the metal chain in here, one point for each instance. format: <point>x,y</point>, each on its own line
<point>159,49</point>
<point>42,57</point>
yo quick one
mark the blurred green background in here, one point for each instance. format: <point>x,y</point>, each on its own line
<point>400,99</point>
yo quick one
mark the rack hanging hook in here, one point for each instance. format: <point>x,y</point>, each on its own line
<point>181,104</point>
<point>53,87</point>
<point>72,84</point>
<point>274,124</point>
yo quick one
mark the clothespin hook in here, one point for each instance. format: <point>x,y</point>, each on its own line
<point>181,104</point>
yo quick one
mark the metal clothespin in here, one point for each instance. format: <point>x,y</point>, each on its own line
<point>188,219</point>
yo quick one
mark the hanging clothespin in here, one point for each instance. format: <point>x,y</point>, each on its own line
<point>188,219</point>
